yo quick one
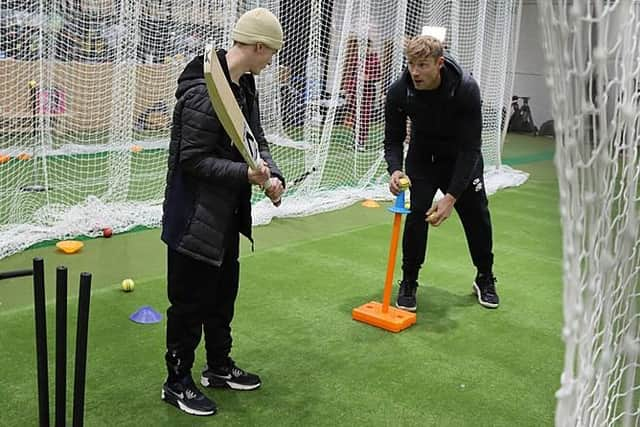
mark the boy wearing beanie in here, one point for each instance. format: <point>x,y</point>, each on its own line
<point>207,206</point>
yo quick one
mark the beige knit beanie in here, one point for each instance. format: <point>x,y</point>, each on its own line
<point>258,26</point>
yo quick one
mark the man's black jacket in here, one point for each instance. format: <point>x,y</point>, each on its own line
<point>208,194</point>
<point>446,124</point>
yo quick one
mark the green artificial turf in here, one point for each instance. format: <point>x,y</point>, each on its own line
<point>460,365</point>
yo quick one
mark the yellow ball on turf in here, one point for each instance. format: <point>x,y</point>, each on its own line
<point>127,285</point>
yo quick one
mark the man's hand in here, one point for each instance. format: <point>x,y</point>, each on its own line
<point>275,190</point>
<point>441,210</point>
<point>258,176</point>
<point>394,182</point>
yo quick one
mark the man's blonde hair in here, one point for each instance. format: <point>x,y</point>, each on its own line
<point>421,47</point>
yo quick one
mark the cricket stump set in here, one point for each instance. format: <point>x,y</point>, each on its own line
<point>82,332</point>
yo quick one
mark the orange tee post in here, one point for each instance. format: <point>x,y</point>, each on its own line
<point>382,315</point>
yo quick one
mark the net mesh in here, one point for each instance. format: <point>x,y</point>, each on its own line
<point>87,92</point>
<point>593,71</point>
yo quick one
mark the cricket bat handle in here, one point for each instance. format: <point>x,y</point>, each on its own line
<point>267,184</point>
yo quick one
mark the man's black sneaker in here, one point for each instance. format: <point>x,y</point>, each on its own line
<point>407,296</point>
<point>187,397</point>
<point>485,289</point>
<point>229,376</point>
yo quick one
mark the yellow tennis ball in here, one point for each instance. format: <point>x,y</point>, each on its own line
<point>404,183</point>
<point>128,285</point>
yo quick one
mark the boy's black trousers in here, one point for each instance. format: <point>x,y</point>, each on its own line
<point>202,298</point>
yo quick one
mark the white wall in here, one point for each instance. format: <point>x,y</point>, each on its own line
<point>529,78</point>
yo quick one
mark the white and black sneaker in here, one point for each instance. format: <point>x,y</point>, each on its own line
<point>407,296</point>
<point>485,289</point>
<point>229,376</point>
<point>187,397</point>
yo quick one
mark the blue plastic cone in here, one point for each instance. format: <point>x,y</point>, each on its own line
<point>398,206</point>
<point>146,315</point>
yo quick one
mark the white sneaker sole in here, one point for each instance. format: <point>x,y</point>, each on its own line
<point>476,290</point>
<point>183,407</point>
<point>229,384</point>
<point>411,309</point>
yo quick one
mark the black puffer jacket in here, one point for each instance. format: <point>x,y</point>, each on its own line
<point>446,124</point>
<point>208,193</point>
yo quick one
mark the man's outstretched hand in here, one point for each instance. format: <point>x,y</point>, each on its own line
<point>439,212</point>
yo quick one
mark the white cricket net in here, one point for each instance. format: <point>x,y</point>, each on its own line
<point>592,52</point>
<point>87,93</point>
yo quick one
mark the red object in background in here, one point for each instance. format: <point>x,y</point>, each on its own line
<point>107,232</point>
<point>351,77</point>
<point>51,101</point>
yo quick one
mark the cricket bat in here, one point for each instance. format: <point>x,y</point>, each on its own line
<point>229,112</point>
